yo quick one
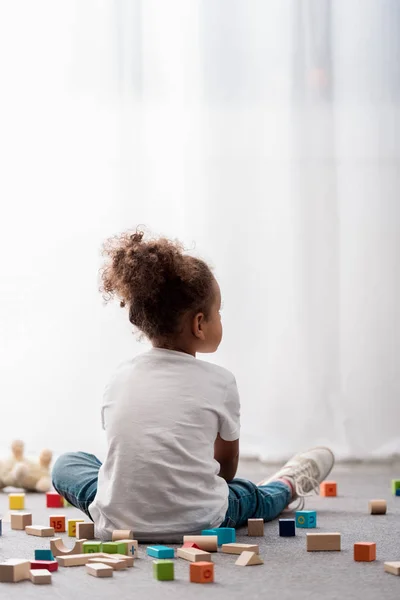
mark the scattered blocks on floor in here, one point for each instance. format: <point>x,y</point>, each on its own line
<point>57,522</point>
<point>99,570</point>
<point>91,547</point>
<point>85,530</point>
<point>54,500</point>
<point>72,526</point>
<point>160,552</point>
<point>202,572</point>
<point>306,519</point>
<point>20,520</point>
<point>209,543</point>
<point>392,567</point>
<point>328,488</point>
<point>16,501</point>
<point>377,507</point>
<point>43,555</point>
<point>113,548</point>
<point>163,570</point>
<point>225,535</point>
<point>287,527</point>
<point>395,486</point>
<point>320,542</point>
<point>40,576</point>
<point>193,554</point>
<point>122,534</point>
<point>255,527</point>
<point>59,549</point>
<point>39,531</point>
<point>14,570</point>
<point>365,551</point>
<point>239,548</point>
<point>247,559</point>
<point>50,565</point>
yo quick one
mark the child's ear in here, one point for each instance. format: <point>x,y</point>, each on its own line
<point>198,326</point>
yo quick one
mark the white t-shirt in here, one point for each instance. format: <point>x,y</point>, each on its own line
<point>162,412</point>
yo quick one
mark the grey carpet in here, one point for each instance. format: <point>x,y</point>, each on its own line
<point>289,571</point>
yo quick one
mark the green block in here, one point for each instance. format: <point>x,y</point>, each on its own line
<point>114,548</point>
<point>66,503</point>
<point>163,570</point>
<point>90,547</point>
<point>395,485</point>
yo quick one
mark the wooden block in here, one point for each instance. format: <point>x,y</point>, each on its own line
<point>160,552</point>
<point>72,526</point>
<point>328,488</point>
<point>190,545</point>
<point>85,530</point>
<point>116,564</point>
<point>239,548</point>
<point>99,570</point>
<point>39,531</point>
<point>40,576</point>
<point>131,547</point>
<point>122,534</point>
<point>255,527</point>
<point>395,486</point>
<point>392,567</point>
<point>59,549</point>
<point>246,559</point>
<point>57,522</point>
<point>377,507</point>
<point>54,500</point>
<point>90,547</point>
<point>287,527</point>
<point>20,520</point>
<point>43,554</point>
<point>365,551</point>
<point>306,519</point>
<point>76,560</point>
<point>16,501</point>
<point>163,570</point>
<point>319,542</point>
<point>204,542</point>
<point>50,565</point>
<point>14,570</point>
<point>113,547</point>
<point>129,560</point>
<point>202,572</point>
<point>193,554</point>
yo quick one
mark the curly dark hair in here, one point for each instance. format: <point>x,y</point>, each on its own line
<point>157,281</point>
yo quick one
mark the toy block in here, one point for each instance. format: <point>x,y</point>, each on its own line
<point>66,503</point>
<point>57,522</point>
<point>59,549</point>
<point>306,519</point>
<point>193,554</point>
<point>398,492</point>
<point>40,576</point>
<point>202,572</point>
<point>16,501</point>
<point>72,526</point>
<point>287,527</point>
<point>113,548</point>
<point>131,547</point>
<point>225,535</point>
<point>50,565</point>
<point>122,534</point>
<point>377,507</point>
<point>191,545</point>
<point>163,570</point>
<point>129,560</point>
<point>76,560</point>
<point>239,548</point>
<point>14,570</point>
<point>160,552</point>
<point>20,520</point>
<point>246,559</point>
<point>255,527</point>
<point>116,564</point>
<point>85,530</point>
<point>209,543</point>
<point>91,547</point>
<point>320,542</point>
<point>44,555</point>
<point>39,531</point>
<point>365,551</point>
<point>392,567</point>
<point>395,486</point>
<point>54,500</point>
<point>99,570</point>
<point>328,488</point>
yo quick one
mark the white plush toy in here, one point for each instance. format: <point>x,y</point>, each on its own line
<point>17,471</point>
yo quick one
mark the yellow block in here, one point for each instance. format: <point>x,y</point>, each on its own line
<point>72,526</point>
<point>17,501</point>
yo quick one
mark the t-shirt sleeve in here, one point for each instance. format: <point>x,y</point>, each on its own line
<point>229,425</point>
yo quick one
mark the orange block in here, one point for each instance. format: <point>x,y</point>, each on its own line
<point>202,572</point>
<point>365,551</point>
<point>328,488</point>
<point>58,523</point>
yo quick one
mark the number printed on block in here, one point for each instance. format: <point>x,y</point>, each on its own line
<point>72,526</point>
<point>58,523</point>
<point>306,519</point>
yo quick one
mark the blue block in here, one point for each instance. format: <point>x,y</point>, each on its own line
<point>287,527</point>
<point>398,492</point>
<point>160,551</point>
<point>44,555</point>
<point>225,535</point>
<point>306,518</point>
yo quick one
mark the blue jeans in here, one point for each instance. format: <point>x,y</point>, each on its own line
<point>75,478</point>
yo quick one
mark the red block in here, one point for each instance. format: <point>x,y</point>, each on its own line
<point>191,545</point>
<point>50,565</point>
<point>54,500</point>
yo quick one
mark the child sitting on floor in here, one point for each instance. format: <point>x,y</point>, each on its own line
<point>172,421</point>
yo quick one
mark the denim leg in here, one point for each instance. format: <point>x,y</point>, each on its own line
<point>75,477</point>
<point>247,501</point>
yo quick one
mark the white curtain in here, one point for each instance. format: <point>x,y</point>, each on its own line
<point>265,132</point>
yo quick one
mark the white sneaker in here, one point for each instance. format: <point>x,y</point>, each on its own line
<point>305,471</point>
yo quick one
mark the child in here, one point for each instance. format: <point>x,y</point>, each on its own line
<point>172,421</point>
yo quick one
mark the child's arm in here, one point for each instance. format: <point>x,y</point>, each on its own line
<point>227,454</point>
